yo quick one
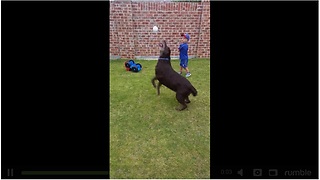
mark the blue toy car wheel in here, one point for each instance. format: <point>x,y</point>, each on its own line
<point>139,66</point>
<point>134,69</point>
<point>129,63</point>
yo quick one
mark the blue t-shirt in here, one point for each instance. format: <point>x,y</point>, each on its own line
<point>183,48</point>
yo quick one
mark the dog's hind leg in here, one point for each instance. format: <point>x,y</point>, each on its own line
<point>158,87</point>
<point>182,102</point>
<point>187,100</point>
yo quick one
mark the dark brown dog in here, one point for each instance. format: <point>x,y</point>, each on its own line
<point>167,76</point>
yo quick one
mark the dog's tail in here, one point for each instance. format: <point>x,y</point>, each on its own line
<point>193,91</point>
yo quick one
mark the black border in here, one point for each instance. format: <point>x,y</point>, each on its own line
<point>264,88</point>
<point>55,100</point>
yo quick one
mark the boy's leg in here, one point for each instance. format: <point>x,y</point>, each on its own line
<point>187,69</point>
<point>186,63</point>
<point>188,73</point>
<point>180,72</point>
<point>181,64</point>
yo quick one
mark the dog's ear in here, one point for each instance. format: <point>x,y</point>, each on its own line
<point>168,50</point>
<point>165,43</point>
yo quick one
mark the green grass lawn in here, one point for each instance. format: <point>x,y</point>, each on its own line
<point>148,137</point>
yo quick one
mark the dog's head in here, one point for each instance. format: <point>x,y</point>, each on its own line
<point>164,49</point>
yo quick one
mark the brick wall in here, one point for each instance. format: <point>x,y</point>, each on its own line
<point>131,25</point>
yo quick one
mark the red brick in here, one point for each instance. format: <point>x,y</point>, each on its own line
<point>140,41</point>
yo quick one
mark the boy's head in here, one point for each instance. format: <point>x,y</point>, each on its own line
<point>185,37</point>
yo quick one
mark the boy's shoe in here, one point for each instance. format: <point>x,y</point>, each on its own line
<point>180,73</point>
<point>188,74</point>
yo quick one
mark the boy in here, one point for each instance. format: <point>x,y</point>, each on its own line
<point>183,48</point>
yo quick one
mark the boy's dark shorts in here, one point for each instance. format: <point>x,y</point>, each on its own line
<point>184,63</point>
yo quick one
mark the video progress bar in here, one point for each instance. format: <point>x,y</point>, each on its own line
<point>58,173</point>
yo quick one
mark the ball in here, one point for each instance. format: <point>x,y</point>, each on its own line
<point>155,28</point>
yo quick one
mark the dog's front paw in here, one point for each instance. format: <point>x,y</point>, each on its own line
<point>180,108</point>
